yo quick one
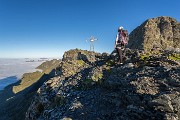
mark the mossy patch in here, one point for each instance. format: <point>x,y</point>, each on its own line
<point>89,82</point>
<point>175,57</point>
<point>80,62</point>
<point>108,69</point>
<point>97,76</point>
<point>69,68</point>
<point>143,60</point>
<point>144,57</point>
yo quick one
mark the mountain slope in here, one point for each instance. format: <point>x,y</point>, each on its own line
<point>16,98</point>
<point>145,87</point>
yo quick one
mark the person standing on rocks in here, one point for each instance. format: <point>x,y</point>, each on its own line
<point>121,41</point>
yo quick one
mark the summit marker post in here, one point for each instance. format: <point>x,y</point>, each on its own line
<point>92,39</point>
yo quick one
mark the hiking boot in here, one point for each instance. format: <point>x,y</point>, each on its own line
<point>120,63</point>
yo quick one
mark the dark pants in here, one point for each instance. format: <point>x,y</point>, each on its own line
<point>119,51</point>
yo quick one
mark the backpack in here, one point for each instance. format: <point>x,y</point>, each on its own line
<point>124,37</point>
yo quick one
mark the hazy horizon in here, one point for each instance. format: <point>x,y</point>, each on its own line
<point>11,70</point>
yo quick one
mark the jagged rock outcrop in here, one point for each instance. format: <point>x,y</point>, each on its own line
<point>161,32</point>
<point>145,87</point>
<point>86,56</point>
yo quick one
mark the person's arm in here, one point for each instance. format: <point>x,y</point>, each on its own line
<point>116,41</point>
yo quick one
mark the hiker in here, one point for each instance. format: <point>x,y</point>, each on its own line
<point>121,41</point>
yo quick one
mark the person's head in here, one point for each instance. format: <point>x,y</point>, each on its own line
<point>120,28</point>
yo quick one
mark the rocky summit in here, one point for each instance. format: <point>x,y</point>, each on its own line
<point>145,87</point>
<point>161,32</point>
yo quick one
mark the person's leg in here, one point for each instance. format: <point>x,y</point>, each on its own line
<point>124,54</point>
<point>119,51</point>
<point>118,54</point>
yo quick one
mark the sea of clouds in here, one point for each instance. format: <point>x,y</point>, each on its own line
<point>11,70</point>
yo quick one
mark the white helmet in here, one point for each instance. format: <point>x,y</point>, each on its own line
<point>121,28</point>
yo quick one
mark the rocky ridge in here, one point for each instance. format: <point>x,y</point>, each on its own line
<point>145,87</point>
<point>88,85</point>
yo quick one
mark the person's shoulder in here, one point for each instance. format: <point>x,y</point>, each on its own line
<point>125,30</point>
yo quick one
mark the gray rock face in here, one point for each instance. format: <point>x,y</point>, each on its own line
<point>161,32</point>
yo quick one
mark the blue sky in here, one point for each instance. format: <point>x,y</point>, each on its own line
<point>47,28</point>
